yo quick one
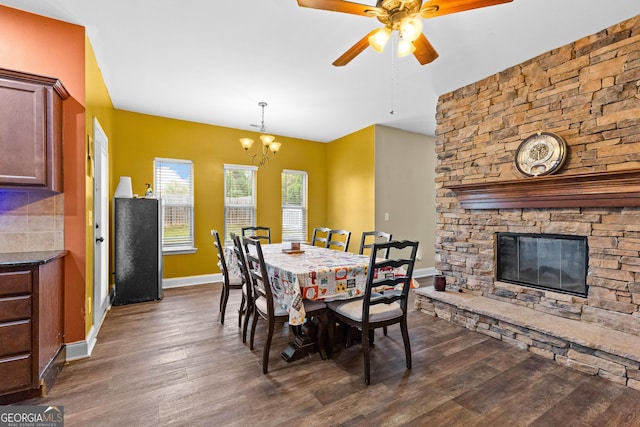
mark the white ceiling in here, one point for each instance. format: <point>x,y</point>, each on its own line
<point>212,61</point>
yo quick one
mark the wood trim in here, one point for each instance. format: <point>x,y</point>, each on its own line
<point>600,189</point>
<point>35,78</point>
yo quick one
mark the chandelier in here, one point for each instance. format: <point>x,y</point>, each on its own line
<point>269,144</point>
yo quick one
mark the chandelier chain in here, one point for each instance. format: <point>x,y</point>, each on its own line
<point>262,104</point>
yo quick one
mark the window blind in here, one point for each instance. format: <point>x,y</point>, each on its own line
<point>173,184</point>
<point>239,199</point>
<point>294,206</point>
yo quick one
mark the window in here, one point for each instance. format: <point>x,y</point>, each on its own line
<point>173,184</point>
<point>239,198</point>
<point>294,206</point>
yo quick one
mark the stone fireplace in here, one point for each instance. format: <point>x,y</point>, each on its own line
<point>588,92</point>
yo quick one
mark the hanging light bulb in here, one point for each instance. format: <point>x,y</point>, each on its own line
<point>379,39</point>
<point>269,144</point>
<point>411,27</point>
<point>405,47</point>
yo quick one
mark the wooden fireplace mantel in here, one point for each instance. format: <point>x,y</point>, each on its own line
<point>601,189</point>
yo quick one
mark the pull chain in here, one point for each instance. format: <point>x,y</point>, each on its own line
<point>394,74</point>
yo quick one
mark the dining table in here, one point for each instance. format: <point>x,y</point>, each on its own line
<point>313,273</point>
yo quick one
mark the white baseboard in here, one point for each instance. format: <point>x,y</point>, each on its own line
<point>82,349</point>
<point>178,282</point>
<point>424,272</point>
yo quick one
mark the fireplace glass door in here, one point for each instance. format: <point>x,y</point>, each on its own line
<point>548,261</point>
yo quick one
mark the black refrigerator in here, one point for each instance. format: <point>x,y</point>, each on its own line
<point>137,250</point>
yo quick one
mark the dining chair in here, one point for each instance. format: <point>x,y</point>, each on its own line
<point>338,240</point>
<point>229,281</point>
<point>246,304</point>
<point>371,237</point>
<point>264,303</point>
<point>321,236</point>
<point>379,307</point>
<point>262,233</point>
<point>366,243</point>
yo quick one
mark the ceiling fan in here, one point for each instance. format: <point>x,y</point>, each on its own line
<point>403,16</point>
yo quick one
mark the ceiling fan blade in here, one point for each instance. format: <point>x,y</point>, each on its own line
<point>354,51</point>
<point>424,52</point>
<point>341,6</point>
<point>433,8</point>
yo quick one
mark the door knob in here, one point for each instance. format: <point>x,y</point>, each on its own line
<point>100,240</point>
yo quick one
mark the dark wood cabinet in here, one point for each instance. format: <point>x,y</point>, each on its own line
<point>31,131</point>
<point>31,326</point>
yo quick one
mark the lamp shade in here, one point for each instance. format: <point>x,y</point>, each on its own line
<point>379,39</point>
<point>405,47</point>
<point>267,139</point>
<point>124,189</point>
<point>411,28</point>
<point>246,143</point>
<point>274,147</point>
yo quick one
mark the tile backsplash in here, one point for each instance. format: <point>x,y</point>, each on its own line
<point>31,220</point>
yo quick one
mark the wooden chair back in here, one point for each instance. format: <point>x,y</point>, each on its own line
<point>261,233</point>
<point>258,273</point>
<point>240,258</point>
<point>371,237</point>
<point>247,289</point>
<point>229,281</point>
<point>339,240</point>
<point>398,255</point>
<point>222,263</point>
<point>320,236</point>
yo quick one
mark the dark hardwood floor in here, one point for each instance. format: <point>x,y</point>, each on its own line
<point>172,363</point>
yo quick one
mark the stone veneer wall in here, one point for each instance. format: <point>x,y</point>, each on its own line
<point>589,93</point>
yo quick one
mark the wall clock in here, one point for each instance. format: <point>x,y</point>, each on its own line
<point>542,153</point>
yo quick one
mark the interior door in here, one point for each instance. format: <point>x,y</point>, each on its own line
<point>101,224</point>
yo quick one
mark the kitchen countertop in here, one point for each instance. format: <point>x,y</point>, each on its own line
<point>16,259</point>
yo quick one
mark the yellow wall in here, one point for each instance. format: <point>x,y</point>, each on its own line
<point>139,138</point>
<point>98,105</point>
<point>351,184</point>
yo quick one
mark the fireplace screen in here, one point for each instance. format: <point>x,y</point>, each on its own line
<point>548,261</point>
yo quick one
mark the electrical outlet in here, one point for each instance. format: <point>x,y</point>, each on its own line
<point>419,255</point>
<point>386,216</point>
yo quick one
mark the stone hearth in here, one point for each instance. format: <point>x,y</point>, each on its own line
<point>584,346</point>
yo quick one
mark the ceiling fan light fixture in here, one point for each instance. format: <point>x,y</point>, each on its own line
<point>405,47</point>
<point>411,27</point>
<point>393,14</point>
<point>379,39</point>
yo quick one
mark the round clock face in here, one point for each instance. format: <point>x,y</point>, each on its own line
<point>542,153</point>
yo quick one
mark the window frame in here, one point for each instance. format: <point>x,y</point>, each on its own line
<point>304,233</point>
<point>189,245</point>
<point>254,206</point>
